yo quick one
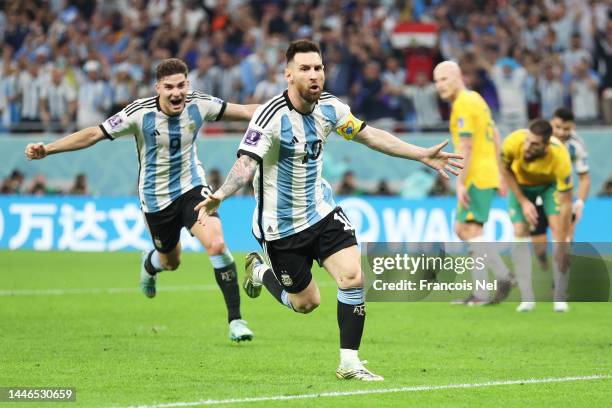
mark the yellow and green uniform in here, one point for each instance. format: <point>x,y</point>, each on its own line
<point>471,118</point>
<point>544,177</point>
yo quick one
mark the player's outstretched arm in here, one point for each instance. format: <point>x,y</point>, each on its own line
<point>241,173</point>
<point>234,111</point>
<point>434,157</point>
<point>76,141</point>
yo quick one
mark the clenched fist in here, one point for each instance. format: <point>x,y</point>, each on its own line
<point>35,151</point>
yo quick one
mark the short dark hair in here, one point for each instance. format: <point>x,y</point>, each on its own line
<point>541,128</point>
<point>298,46</point>
<point>565,114</point>
<point>171,66</point>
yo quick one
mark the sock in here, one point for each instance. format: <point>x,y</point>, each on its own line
<point>227,279</point>
<point>521,258</point>
<point>274,287</point>
<point>476,248</point>
<point>349,358</point>
<point>560,279</point>
<point>351,317</point>
<point>153,263</point>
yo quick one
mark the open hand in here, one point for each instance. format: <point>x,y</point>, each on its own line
<point>441,161</point>
<point>208,207</point>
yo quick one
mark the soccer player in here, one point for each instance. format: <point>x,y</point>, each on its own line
<point>296,220</point>
<point>564,129</point>
<point>171,178</point>
<point>536,164</point>
<point>477,140</point>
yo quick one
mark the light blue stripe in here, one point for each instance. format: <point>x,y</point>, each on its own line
<point>176,162</point>
<point>330,114</point>
<point>310,130</point>
<point>328,193</point>
<point>284,195</point>
<point>353,296</point>
<point>223,260</point>
<point>150,162</point>
<point>194,115</point>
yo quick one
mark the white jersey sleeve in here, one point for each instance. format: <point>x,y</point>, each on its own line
<point>211,108</point>
<point>257,139</point>
<point>578,154</point>
<point>120,124</point>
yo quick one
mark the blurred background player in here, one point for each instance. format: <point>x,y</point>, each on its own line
<point>538,165</point>
<point>171,177</point>
<point>564,129</point>
<point>476,139</point>
<point>296,219</point>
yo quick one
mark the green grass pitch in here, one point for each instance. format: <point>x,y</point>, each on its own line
<point>118,348</point>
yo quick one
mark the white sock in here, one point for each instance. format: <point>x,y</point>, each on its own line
<point>155,261</point>
<point>521,257</point>
<point>561,280</point>
<point>480,275</point>
<point>349,358</point>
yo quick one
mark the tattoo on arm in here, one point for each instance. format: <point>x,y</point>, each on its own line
<point>239,175</point>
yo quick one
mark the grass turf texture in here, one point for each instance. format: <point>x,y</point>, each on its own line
<point>121,349</point>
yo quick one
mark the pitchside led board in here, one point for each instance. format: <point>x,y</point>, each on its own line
<point>390,230</point>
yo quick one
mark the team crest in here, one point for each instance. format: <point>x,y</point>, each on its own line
<point>158,242</point>
<point>286,280</point>
<point>191,126</point>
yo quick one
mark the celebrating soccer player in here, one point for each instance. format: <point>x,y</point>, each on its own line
<point>296,219</point>
<point>477,140</point>
<point>538,165</point>
<point>171,178</point>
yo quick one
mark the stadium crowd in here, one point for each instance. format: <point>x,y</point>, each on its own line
<point>68,64</point>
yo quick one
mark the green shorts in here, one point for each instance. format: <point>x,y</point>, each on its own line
<point>550,200</point>
<point>480,204</point>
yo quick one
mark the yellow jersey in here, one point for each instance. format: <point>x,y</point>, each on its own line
<point>554,166</point>
<point>471,117</point>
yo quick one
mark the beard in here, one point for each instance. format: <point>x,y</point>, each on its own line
<point>309,95</point>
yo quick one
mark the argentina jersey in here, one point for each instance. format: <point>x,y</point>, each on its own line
<point>578,153</point>
<point>167,152</point>
<point>290,192</point>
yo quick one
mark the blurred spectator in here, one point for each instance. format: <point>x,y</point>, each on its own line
<point>273,85</point>
<point>79,187</point>
<point>606,189</point>
<point>575,54</point>
<point>441,187</point>
<point>94,99</point>
<point>29,88</point>
<point>39,187</point>
<point>369,99</point>
<point>584,90</point>
<point>57,103</point>
<point>122,87</point>
<point>551,91</point>
<point>425,101</point>
<point>393,81</point>
<point>214,179</point>
<point>205,78</point>
<point>510,78</point>
<point>13,184</point>
<point>229,79</point>
<point>383,189</point>
<point>348,185</point>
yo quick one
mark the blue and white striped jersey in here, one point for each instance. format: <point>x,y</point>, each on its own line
<point>167,152</point>
<point>291,194</point>
<point>578,153</point>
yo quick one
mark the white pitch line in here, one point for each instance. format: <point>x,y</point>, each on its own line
<point>416,388</point>
<point>114,291</point>
<point>100,291</point>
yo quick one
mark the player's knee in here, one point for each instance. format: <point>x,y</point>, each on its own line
<point>352,279</point>
<point>216,246</point>
<point>171,264</point>
<point>307,305</point>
